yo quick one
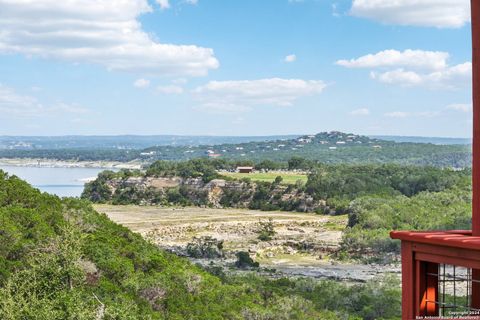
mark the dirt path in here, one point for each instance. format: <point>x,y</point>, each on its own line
<point>301,246</point>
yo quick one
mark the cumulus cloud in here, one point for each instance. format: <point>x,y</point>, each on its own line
<point>238,96</point>
<point>360,112</point>
<point>101,32</point>
<point>413,68</point>
<point>141,83</point>
<point>424,13</point>
<point>419,59</point>
<point>171,89</point>
<point>290,58</point>
<point>14,104</point>
<point>450,77</point>
<point>398,76</point>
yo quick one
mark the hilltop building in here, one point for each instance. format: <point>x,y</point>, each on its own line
<point>245,169</point>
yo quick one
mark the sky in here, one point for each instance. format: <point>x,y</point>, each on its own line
<point>235,67</point>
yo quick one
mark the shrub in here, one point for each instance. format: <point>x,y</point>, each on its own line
<point>205,247</point>
<point>244,261</point>
<point>266,230</point>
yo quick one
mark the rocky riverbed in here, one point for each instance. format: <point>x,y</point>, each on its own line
<point>302,245</point>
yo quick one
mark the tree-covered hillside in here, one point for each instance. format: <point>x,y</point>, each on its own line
<point>59,259</point>
<point>325,147</point>
<point>328,189</point>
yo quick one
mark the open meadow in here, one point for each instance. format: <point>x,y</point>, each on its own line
<point>287,177</point>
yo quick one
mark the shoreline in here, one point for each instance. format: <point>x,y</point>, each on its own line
<point>52,163</point>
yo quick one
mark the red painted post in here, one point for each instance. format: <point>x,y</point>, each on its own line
<point>427,288</point>
<point>408,281</point>
<point>475,7</point>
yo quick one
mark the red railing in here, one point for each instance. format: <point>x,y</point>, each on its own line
<point>425,291</point>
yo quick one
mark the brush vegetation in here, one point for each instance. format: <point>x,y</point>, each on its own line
<point>60,259</point>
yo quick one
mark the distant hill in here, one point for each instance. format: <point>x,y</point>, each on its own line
<point>128,142</point>
<point>433,140</point>
<point>325,147</point>
<point>122,142</point>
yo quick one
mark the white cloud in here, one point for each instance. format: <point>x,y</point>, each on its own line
<point>450,77</point>
<point>360,112</point>
<point>105,33</point>
<point>291,58</point>
<point>461,107</point>
<point>164,4</point>
<point>398,76</point>
<point>239,96</point>
<point>425,13</point>
<point>13,104</point>
<point>193,2</point>
<point>141,83</point>
<point>170,89</point>
<point>419,59</point>
<point>413,68</point>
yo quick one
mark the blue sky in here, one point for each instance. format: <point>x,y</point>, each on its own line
<point>235,67</point>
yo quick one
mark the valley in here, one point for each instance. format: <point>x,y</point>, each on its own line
<point>304,244</point>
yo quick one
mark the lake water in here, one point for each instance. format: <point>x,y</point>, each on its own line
<point>64,182</point>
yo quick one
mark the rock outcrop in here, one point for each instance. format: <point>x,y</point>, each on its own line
<point>217,193</point>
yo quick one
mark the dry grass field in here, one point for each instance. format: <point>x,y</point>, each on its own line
<point>288,177</point>
<point>301,246</point>
<point>177,226</point>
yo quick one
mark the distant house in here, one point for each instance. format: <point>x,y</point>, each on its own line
<point>304,140</point>
<point>214,155</point>
<point>151,153</point>
<point>245,169</point>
